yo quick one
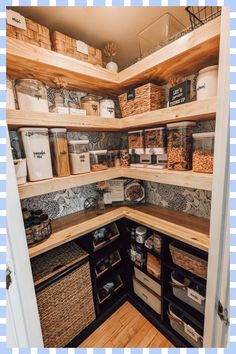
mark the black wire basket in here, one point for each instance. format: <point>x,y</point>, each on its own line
<point>199,15</point>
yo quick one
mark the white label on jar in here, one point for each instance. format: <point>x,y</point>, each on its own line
<point>202,86</point>
<point>15,19</point>
<point>195,296</point>
<point>39,154</point>
<point>191,332</point>
<point>82,47</point>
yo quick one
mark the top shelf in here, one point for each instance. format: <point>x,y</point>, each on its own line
<point>185,56</point>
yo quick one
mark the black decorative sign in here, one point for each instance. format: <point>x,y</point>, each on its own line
<point>180,93</point>
<point>130,95</point>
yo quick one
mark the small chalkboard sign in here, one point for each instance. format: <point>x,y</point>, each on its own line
<point>180,93</point>
<point>130,95</point>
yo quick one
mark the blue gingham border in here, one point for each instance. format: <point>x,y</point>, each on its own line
<point>230,3</point>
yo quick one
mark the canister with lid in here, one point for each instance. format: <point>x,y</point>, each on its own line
<point>124,158</point>
<point>140,234</point>
<point>79,156</point>
<point>107,108</point>
<point>91,104</point>
<point>203,152</point>
<point>37,151</point>
<point>113,157</point>
<point>59,152</point>
<point>207,82</point>
<point>136,142</point>
<point>10,94</point>
<point>31,95</point>
<point>98,160</point>
<point>155,140</point>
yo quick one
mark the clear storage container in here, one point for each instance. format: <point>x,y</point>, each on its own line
<point>59,152</point>
<point>124,158</point>
<point>113,158</point>
<point>136,142</point>
<point>98,160</point>
<point>179,145</point>
<point>91,104</point>
<point>31,95</point>
<point>155,140</point>
<point>203,152</point>
<point>79,156</point>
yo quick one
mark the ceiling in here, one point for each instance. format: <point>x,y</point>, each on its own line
<point>98,25</point>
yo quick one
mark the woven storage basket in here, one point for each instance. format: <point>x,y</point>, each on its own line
<point>149,97</point>
<point>34,34</point>
<point>66,305</point>
<point>188,261</point>
<point>67,45</point>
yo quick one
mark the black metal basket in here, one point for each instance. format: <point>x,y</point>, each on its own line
<point>199,15</point>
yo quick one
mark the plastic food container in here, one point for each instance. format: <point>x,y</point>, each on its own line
<point>59,152</point>
<point>136,142</point>
<point>203,152</point>
<point>179,145</point>
<point>79,156</point>
<point>91,104</point>
<point>31,95</point>
<point>107,108</point>
<point>113,158</point>
<point>124,158</point>
<point>20,170</point>
<point>98,160</point>
<point>37,151</point>
<point>155,140</point>
<point>207,82</point>
<point>10,94</point>
<point>140,234</point>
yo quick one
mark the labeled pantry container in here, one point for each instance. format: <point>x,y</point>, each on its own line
<point>91,104</point>
<point>79,156</point>
<point>136,142</point>
<point>107,108</point>
<point>207,82</point>
<point>155,140</point>
<point>31,95</point>
<point>203,152</point>
<point>59,152</point>
<point>37,151</point>
<point>179,145</point>
<point>98,160</point>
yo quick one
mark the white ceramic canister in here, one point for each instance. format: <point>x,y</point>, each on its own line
<point>37,151</point>
<point>31,95</point>
<point>207,82</point>
<point>10,94</point>
<point>21,171</point>
<point>107,108</point>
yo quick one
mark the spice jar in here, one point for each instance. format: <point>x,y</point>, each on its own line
<point>136,142</point>
<point>179,145</point>
<point>155,140</point>
<point>124,158</point>
<point>59,152</point>
<point>91,104</point>
<point>140,234</point>
<point>98,160</point>
<point>37,151</point>
<point>10,94</point>
<point>31,95</point>
<point>207,82</point>
<point>113,158</point>
<point>79,156</point>
<point>203,152</point>
<point>107,108</point>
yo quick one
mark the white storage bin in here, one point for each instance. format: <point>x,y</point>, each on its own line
<point>151,299</point>
<point>147,281</point>
<point>207,82</point>
<point>31,95</point>
<point>37,151</point>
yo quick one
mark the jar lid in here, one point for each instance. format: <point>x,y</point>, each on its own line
<point>57,130</point>
<point>90,98</point>
<point>209,68</point>
<point>140,230</point>
<point>79,142</point>
<point>204,135</point>
<point>181,124</point>
<point>33,129</point>
<point>157,128</point>
<point>98,152</point>
<point>135,131</point>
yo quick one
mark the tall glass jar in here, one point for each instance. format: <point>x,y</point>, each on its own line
<point>98,160</point>
<point>59,152</point>
<point>136,142</point>
<point>203,152</point>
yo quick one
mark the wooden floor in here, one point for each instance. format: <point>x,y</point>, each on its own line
<point>126,328</point>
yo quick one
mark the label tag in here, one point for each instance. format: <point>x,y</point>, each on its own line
<point>15,19</point>
<point>82,47</point>
<point>195,296</point>
<point>191,332</point>
<point>130,95</point>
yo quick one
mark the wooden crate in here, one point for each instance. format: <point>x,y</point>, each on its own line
<point>153,265</point>
<point>66,45</point>
<point>115,234</point>
<point>34,34</point>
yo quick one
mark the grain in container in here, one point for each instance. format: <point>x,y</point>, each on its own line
<point>31,95</point>
<point>203,152</point>
<point>37,151</point>
<point>98,160</point>
<point>136,142</point>
<point>59,152</point>
<point>207,82</point>
<point>124,158</point>
<point>113,158</point>
<point>79,156</point>
<point>155,140</point>
<point>107,108</point>
<point>10,94</point>
<point>91,104</point>
<point>179,145</point>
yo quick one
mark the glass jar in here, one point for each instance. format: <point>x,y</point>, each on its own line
<point>31,95</point>
<point>140,234</point>
<point>179,145</point>
<point>155,140</point>
<point>124,158</point>
<point>107,108</point>
<point>59,152</point>
<point>136,142</point>
<point>113,158</point>
<point>91,104</point>
<point>203,152</point>
<point>98,160</point>
<point>79,156</point>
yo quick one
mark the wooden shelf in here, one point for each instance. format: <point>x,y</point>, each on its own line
<point>185,56</point>
<point>181,226</point>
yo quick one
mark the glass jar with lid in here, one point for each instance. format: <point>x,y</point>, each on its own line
<point>59,152</point>
<point>155,140</point>
<point>79,156</point>
<point>98,160</point>
<point>113,158</point>
<point>203,152</point>
<point>136,142</point>
<point>91,104</point>
<point>179,145</point>
<point>31,95</point>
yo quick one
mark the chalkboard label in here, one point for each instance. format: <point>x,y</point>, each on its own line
<point>180,93</point>
<point>130,95</point>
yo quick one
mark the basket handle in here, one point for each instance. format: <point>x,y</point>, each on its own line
<point>178,286</point>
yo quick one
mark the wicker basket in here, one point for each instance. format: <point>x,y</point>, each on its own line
<point>67,45</point>
<point>38,233</point>
<point>149,97</point>
<point>188,261</point>
<point>34,34</point>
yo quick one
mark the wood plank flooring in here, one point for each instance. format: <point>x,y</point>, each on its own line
<point>126,328</point>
